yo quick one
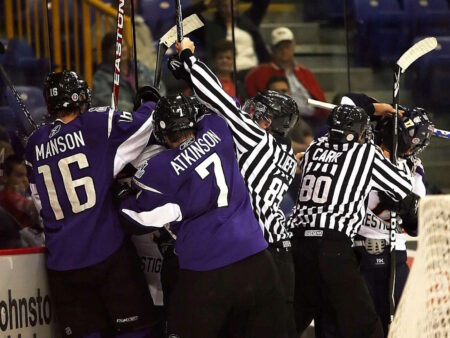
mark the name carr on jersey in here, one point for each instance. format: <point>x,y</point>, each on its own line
<point>326,155</point>
<point>195,151</point>
<point>59,145</point>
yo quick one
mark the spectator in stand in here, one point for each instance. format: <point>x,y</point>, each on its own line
<point>13,197</point>
<point>6,150</point>
<point>223,65</point>
<point>250,47</point>
<point>302,82</point>
<point>103,76</point>
<point>9,232</point>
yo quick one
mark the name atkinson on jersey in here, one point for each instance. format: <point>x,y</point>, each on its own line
<point>59,145</point>
<point>194,151</point>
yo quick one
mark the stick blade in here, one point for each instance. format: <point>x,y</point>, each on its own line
<point>190,24</point>
<point>416,51</point>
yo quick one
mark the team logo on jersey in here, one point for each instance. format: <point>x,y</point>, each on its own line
<point>141,170</point>
<point>75,97</point>
<point>55,130</point>
<point>99,109</point>
<point>68,331</point>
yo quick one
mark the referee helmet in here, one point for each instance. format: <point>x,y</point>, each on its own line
<point>347,124</point>
<point>277,108</point>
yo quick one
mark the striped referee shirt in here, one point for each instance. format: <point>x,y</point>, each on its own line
<point>267,163</point>
<point>336,180</point>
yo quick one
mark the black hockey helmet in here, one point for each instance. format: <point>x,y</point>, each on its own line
<point>347,123</point>
<point>172,114</point>
<point>414,132</point>
<point>64,91</point>
<point>85,92</point>
<point>279,107</point>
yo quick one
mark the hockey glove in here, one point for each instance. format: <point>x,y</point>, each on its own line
<point>406,208</point>
<point>175,65</point>
<point>145,94</point>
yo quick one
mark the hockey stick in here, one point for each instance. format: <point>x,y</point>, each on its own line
<point>16,94</point>
<point>190,24</point>
<point>179,20</point>
<point>168,40</point>
<point>116,75</point>
<point>329,106</point>
<point>411,55</point>
<point>133,25</point>
<point>233,41</point>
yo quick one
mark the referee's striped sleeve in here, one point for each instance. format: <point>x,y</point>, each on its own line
<point>388,178</point>
<point>209,90</point>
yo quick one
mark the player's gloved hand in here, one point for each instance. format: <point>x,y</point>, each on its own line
<point>175,65</point>
<point>165,242</point>
<point>387,203</point>
<point>145,94</point>
<point>121,191</point>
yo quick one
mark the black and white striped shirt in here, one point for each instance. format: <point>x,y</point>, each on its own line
<point>267,164</point>
<point>336,180</point>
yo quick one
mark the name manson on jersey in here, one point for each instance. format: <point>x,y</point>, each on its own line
<point>195,151</point>
<point>59,145</point>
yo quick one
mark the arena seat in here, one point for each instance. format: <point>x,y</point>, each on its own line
<point>7,119</point>
<point>428,17</point>
<point>382,29</point>
<point>159,15</point>
<point>34,101</point>
<point>433,76</point>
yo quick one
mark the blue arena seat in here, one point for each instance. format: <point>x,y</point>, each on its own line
<point>433,76</point>
<point>7,119</point>
<point>382,31</point>
<point>159,15</point>
<point>34,102</point>
<point>428,17</point>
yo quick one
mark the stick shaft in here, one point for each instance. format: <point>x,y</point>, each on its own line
<point>18,98</point>
<point>119,40</point>
<point>136,82</point>
<point>179,20</point>
<point>233,40</point>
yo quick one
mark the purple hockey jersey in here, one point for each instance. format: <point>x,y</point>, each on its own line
<point>71,168</point>
<point>198,189</point>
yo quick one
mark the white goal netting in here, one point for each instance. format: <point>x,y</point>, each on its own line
<point>424,310</point>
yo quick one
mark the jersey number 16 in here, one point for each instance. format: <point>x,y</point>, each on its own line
<point>70,185</point>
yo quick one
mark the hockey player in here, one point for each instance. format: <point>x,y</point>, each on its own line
<point>196,186</point>
<point>94,276</point>
<point>371,242</point>
<point>338,172</point>
<point>265,157</point>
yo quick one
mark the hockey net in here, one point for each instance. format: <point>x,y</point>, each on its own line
<point>424,309</point>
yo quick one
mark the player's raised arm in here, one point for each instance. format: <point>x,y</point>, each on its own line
<point>209,90</point>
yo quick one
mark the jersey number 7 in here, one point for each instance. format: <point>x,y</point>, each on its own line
<point>202,171</point>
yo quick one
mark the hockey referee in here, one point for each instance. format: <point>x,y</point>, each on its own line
<point>338,172</point>
<point>265,156</point>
